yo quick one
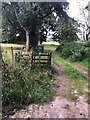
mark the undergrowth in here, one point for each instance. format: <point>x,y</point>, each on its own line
<point>21,85</point>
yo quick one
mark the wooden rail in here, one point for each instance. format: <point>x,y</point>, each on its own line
<point>36,58</point>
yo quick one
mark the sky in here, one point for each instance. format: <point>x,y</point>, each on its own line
<point>75,11</point>
<point>74,8</point>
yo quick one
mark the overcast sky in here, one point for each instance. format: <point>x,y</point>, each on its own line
<point>74,8</point>
<point>75,11</point>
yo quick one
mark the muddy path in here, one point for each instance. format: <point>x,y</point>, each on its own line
<point>60,107</point>
<point>76,67</point>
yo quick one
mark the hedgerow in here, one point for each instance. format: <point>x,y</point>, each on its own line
<point>75,51</point>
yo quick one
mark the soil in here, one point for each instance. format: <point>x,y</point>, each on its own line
<point>60,107</point>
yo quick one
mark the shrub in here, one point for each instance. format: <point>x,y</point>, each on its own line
<point>73,50</point>
<point>87,44</point>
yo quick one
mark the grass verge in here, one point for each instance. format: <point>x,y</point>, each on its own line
<point>84,64</point>
<point>76,81</point>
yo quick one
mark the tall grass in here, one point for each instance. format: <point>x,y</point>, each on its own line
<point>21,85</point>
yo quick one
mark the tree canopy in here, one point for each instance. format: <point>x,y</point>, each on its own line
<point>65,32</point>
<point>32,20</point>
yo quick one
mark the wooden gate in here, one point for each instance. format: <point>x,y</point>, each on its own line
<point>41,59</point>
<point>36,58</point>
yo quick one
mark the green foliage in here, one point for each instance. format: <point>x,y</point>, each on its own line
<point>21,85</point>
<point>35,17</point>
<point>73,50</point>
<point>84,63</point>
<point>65,32</point>
<point>87,44</point>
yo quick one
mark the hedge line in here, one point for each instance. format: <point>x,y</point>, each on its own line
<point>75,51</point>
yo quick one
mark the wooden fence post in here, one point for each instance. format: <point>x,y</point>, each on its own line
<point>15,57</point>
<point>32,61</point>
<point>12,54</point>
<point>39,59</point>
<point>18,56</point>
<point>49,58</point>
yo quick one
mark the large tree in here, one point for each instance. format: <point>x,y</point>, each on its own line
<point>31,18</point>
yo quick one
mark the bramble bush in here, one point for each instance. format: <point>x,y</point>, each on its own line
<point>75,51</point>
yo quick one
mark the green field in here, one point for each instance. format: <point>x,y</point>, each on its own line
<point>6,50</point>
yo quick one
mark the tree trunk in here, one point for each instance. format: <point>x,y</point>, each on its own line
<point>27,40</point>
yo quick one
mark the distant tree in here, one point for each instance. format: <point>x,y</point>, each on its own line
<point>65,32</point>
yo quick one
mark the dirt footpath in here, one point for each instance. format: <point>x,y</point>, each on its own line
<point>60,107</point>
<point>77,67</point>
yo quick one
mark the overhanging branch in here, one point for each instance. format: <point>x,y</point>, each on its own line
<point>11,23</point>
<point>17,16</point>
